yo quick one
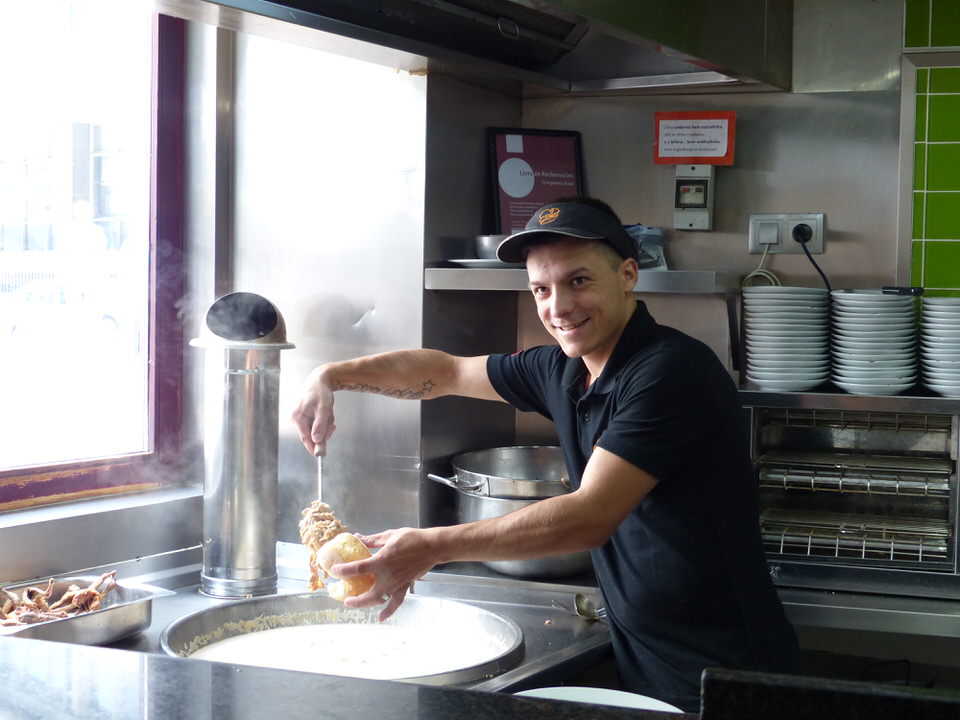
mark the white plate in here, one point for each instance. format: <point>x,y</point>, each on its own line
<point>798,355</point>
<point>934,328</point>
<point>818,373</point>
<point>820,341</point>
<point>905,314</point>
<point>484,263</point>
<point>941,334</point>
<point>940,343</point>
<point>875,298</point>
<point>933,362</point>
<point>861,335</point>
<point>790,347</point>
<point>939,353</point>
<point>819,376</point>
<point>942,312</point>
<point>786,335</point>
<point>845,361</point>
<point>941,301</point>
<point>940,379</point>
<point>869,306</point>
<point>763,300</point>
<point>784,306</point>
<point>779,289</point>
<point>600,696</point>
<point>945,390</point>
<point>867,293</point>
<point>874,378</point>
<point>795,312</point>
<point>872,389</point>
<point>785,325</point>
<point>764,311</point>
<point>873,347</point>
<point>787,364</point>
<point>878,325</point>
<point>786,385</point>
<point>763,324</point>
<point>842,298</point>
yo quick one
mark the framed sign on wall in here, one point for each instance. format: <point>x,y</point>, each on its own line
<point>531,168</point>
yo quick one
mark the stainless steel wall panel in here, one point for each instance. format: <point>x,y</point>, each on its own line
<point>849,45</point>
<point>464,323</point>
<point>329,226</point>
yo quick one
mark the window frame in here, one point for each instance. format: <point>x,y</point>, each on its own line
<point>159,466</point>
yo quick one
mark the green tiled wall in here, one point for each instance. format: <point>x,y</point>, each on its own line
<point>931,23</point>
<point>935,257</point>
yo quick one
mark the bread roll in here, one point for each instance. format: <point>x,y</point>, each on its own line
<point>344,548</point>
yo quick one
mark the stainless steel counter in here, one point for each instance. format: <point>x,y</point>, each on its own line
<point>556,644</point>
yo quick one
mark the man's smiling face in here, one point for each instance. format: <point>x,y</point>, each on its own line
<point>584,296</point>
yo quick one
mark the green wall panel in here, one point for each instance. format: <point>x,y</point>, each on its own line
<point>943,121</point>
<point>935,246</point>
<point>942,167</point>
<point>941,262</point>
<point>944,23</point>
<point>916,31</point>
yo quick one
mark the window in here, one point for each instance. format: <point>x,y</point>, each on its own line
<point>84,333</point>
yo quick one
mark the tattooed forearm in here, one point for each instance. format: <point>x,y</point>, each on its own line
<point>399,393</point>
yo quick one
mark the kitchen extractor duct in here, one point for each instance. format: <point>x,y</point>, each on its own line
<point>567,45</point>
<point>243,336</point>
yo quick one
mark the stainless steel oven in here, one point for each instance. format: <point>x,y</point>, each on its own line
<point>858,493</point>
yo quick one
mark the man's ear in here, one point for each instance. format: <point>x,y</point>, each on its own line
<point>628,274</point>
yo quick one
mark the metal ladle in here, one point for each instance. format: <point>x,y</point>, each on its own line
<point>583,607</point>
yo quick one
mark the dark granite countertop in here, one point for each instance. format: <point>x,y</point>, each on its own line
<point>41,679</point>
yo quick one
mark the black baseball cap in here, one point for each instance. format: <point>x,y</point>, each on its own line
<point>570,219</point>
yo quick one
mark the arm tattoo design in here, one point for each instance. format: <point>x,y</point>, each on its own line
<point>399,393</point>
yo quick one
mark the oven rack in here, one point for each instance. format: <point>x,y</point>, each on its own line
<point>844,480</point>
<point>858,420</point>
<point>855,473</point>
<point>861,537</point>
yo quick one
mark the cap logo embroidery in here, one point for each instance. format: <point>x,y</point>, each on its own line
<point>548,215</point>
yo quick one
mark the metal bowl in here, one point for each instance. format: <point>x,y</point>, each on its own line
<point>487,246</point>
<point>459,622</point>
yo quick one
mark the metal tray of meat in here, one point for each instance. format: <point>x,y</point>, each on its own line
<point>124,611</point>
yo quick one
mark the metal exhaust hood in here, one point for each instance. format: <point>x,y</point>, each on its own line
<point>568,46</point>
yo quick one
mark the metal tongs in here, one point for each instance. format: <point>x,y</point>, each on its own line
<point>583,607</point>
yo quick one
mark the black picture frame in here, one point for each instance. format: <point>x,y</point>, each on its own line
<point>550,162</point>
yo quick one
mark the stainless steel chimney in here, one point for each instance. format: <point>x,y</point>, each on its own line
<point>243,336</point>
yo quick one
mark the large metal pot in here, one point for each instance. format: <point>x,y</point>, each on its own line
<point>494,482</point>
<point>521,473</point>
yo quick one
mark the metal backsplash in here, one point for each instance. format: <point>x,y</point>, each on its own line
<point>325,206</point>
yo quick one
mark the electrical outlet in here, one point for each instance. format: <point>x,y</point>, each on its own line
<point>774,231</point>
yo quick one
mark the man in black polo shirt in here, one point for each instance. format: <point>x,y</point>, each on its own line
<point>652,432</point>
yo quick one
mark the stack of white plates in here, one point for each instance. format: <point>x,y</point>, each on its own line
<point>787,336</point>
<point>940,345</point>
<point>874,342</point>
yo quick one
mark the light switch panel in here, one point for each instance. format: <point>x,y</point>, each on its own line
<point>773,232</point>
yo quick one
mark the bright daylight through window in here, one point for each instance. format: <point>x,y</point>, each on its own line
<point>74,229</point>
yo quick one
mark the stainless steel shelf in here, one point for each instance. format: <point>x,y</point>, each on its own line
<point>872,612</point>
<point>695,282</point>
<point>844,401</point>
